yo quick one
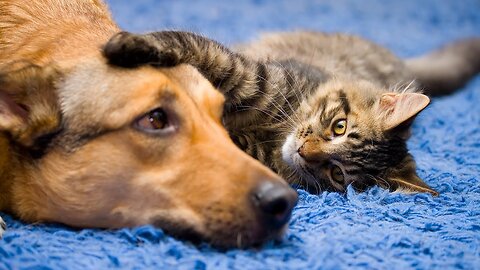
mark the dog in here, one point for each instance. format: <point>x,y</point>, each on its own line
<point>92,145</point>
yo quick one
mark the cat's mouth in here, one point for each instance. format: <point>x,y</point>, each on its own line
<point>307,173</point>
<point>293,159</point>
<point>290,153</point>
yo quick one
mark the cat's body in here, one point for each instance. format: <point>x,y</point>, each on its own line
<point>322,110</point>
<point>322,60</point>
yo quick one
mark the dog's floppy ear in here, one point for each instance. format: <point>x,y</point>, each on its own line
<point>28,103</point>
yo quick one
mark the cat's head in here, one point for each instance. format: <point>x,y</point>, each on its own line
<point>355,133</point>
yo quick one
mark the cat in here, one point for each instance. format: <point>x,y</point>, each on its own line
<point>322,110</point>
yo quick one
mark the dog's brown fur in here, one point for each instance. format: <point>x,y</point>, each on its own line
<point>71,152</point>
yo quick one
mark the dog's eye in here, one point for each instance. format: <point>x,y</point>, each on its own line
<point>336,174</point>
<point>154,120</point>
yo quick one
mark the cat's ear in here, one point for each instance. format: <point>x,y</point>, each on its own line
<point>404,178</point>
<point>399,109</point>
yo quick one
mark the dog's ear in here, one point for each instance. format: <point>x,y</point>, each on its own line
<point>13,117</point>
<point>28,103</point>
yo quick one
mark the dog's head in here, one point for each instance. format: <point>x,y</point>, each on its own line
<point>101,146</point>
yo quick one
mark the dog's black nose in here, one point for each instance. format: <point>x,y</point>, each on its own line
<point>274,203</point>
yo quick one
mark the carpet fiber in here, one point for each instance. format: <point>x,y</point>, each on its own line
<point>372,230</point>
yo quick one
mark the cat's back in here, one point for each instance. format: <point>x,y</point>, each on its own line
<point>337,54</point>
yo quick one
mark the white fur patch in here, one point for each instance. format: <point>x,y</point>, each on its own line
<point>289,149</point>
<point>3,227</point>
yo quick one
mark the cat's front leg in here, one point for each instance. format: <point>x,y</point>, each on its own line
<point>3,227</point>
<point>241,79</point>
<point>131,50</point>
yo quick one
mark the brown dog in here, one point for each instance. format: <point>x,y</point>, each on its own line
<point>91,145</point>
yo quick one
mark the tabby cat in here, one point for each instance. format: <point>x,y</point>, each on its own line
<point>323,110</point>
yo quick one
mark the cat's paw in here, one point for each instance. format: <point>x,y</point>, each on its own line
<point>125,49</point>
<point>3,227</point>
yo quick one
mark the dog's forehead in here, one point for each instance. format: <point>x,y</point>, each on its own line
<point>197,87</point>
<point>98,94</point>
<point>192,81</point>
<point>96,90</point>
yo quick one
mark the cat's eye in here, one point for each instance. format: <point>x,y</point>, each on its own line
<point>336,174</point>
<point>154,120</point>
<point>339,127</point>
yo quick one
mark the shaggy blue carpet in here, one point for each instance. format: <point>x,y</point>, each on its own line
<point>372,230</point>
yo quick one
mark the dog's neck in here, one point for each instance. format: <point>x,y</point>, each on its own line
<point>13,176</point>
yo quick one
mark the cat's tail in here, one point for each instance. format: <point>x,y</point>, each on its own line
<point>447,69</point>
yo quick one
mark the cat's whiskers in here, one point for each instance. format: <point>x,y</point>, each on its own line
<point>312,179</point>
<point>300,173</point>
<point>294,181</point>
<point>295,80</point>
<point>380,181</point>
<point>317,187</point>
<point>283,130</point>
<point>395,87</point>
<point>273,101</point>
<point>279,107</point>
<point>291,87</point>
<point>408,88</point>
<point>281,119</point>
<point>267,141</point>
<point>403,87</point>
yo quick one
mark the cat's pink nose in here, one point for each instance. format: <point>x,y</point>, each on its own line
<point>301,151</point>
<point>311,151</point>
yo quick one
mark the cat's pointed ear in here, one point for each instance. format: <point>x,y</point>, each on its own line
<point>404,178</point>
<point>399,109</point>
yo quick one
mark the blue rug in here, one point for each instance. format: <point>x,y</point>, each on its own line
<point>372,230</point>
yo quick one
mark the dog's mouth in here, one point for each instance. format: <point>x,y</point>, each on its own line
<point>184,231</point>
<point>224,236</point>
<point>245,238</point>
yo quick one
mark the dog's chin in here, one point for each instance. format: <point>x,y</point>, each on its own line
<point>252,238</point>
<point>182,231</point>
<point>251,235</point>
<point>226,238</point>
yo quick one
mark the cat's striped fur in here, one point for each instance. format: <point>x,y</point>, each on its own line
<point>287,93</point>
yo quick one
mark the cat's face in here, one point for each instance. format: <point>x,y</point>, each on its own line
<point>354,133</point>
